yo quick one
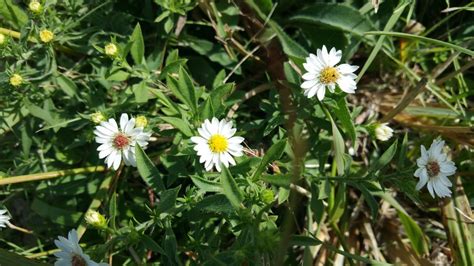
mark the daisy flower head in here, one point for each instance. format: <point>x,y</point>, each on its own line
<point>324,73</point>
<point>71,253</point>
<point>433,169</point>
<point>4,218</point>
<point>216,144</point>
<point>118,144</point>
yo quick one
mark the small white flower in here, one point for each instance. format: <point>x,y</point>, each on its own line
<point>383,132</point>
<point>434,169</point>
<point>4,218</point>
<point>216,144</point>
<point>120,143</point>
<point>71,253</point>
<point>323,73</point>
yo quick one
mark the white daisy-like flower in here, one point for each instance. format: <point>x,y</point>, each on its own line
<point>383,132</point>
<point>4,218</point>
<point>71,253</point>
<point>217,144</point>
<point>117,143</point>
<point>323,73</point>
<point>434,169</point>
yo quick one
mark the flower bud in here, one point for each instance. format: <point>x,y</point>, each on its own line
<point>95,219</point>
<point>111,50</point>
<point>16,80</point>
<point>98,117</point>
<point>383,132</point>
<point>46,36</point>
<point>35,7</point>
<point>141,121</point>
<point>268,196</point>
<point>3,39</point>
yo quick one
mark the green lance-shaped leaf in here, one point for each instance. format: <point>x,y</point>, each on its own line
<point>183,89</point>
<point>10,258</point>
<point>230,188</point>
<point>148,171</point>
<point>342,113</point>
<point>272,154</point>
<point>385,158</point>
<point>338,148</point>
<point>138,45</point>
<point>179,124</point>
<point>336,16</point>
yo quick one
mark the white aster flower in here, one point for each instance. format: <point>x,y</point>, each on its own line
<point>71,253</point>
<point>383,132</point>
<point>118,143</point>
<point>4,218</point>
<point>434,169</point>
<point>216,144</point>
<point>323,73</point>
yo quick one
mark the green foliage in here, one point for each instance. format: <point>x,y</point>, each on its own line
<point>314,178</point>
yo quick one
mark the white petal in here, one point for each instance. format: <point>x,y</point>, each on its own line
<point>321,91</point>
<point>430,188</point>
<point>447,168</point>
<point>129,126</point>
<point>334,56</point>
<point>309,76</point>
<point>123,121</point>
<point>423,175</point>
<point>346,68</point>
<point>204,133</point>
<point>199,140</point>
<point>347,85</point>
<point>236,140</point>
<point>308,84</point>
<point>117,160</point>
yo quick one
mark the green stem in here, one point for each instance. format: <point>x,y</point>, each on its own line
<point>50,175</point>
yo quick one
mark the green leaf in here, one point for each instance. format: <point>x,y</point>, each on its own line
<point>12,13</point>
<point>230,188</point>
<point>218,97</point>
<point>297,240</point>
<point>215,204</point>
<point>290,47</point>
<point>148,171</point>
<point>385,158</point>
<point>274,153</point>
<point>413,231</point>
<point>10,258</point>
<point>280,180</point>
<point>336,16</point>
<point>183,89</point>
<point>167,200</point>
<point>179,124</point>
<point>423,39</point>
<point>342,113</point>
<point>141,92</point>
<point>206,185</point>
<point>338,142</point>
<point>149,243</point>
<point>138,45</point>
<point>390,23</point>
<point>55,214</point>
<point>67,85</point>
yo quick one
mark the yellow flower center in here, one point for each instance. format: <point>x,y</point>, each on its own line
<point>16,80</point>
<point>329,75</point>
<point>46,36</point>
<point>218,143</point>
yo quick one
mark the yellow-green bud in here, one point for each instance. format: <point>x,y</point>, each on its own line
<point>267,196</point>
<point>46,36</point>
<point>98,117</point>
<point>35,7</point>
<point>111,50</point>
<point>141,121</point>
<point>16,80</point>
<point>95,219</point>
<point>3,39</point>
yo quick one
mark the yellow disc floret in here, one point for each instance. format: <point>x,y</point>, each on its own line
<point>218,143</point>
<point>329,75</point>
<point>46,36</point>
<point>16,80</point>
